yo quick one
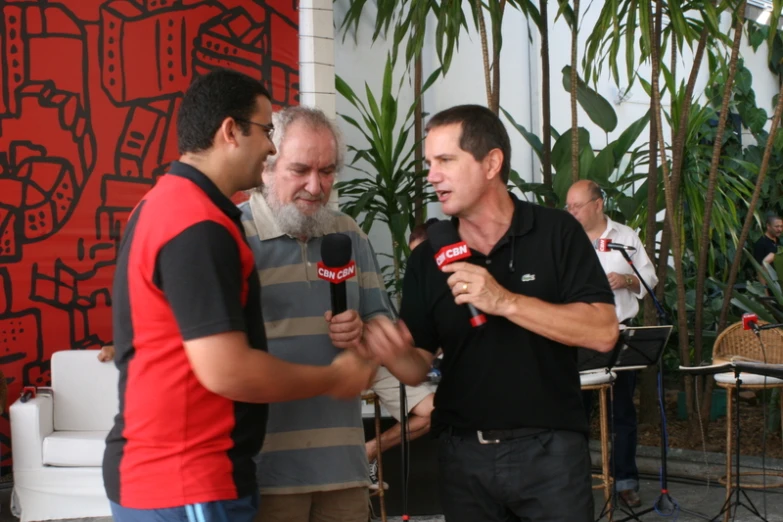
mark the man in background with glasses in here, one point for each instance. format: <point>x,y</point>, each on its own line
<point>585,201</point>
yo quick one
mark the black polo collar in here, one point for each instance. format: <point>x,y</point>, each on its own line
<point>521,221</point>
<point>220,200</point>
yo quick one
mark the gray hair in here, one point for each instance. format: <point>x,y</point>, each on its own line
<point>313,118</point>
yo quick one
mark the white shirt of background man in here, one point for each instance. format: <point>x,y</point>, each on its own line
<point>626,301</point>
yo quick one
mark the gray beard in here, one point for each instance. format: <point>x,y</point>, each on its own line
<point>293,222</point>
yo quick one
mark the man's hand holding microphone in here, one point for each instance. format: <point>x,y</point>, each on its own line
<point>355,367</point>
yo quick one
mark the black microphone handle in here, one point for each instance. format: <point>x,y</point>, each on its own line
<point>339,298</point>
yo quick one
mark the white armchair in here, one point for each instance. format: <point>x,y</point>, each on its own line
<point>58,439</point>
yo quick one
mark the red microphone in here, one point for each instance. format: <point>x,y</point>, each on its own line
<point>449,247</point>
<point>604,244</point>
<point>336,268</point>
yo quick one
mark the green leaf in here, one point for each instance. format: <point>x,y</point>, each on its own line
<point>597,108</point>
<point>629,136</point>
<point>531,138</point>
<point>627,205</point>
<point>561,181</point>
<point>755,119</point>
<point>646,86</point>
<point>677,19</point>
<point>344,89</point>
<point>567,13</point>
<point>645,24</point>
<point>561,151</point>
<point>368,222</point>
<point>743,80</point>
<point>777,10</point>
<point>630,42</point>
<point>530,11</point>
<point>603,165</point>
<point>711,17</point>
<point>757,35</point>
<point>586,158</point>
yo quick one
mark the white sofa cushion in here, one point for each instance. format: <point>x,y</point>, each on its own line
<point>74,448</point>
<point>85,391</point>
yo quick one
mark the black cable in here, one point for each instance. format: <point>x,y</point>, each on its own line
<point>405,451</point>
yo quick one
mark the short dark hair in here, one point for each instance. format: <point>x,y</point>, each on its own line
<point>482,131</point>
<point>209,100</point>
<point>771,218</point>
<point>419,232</point>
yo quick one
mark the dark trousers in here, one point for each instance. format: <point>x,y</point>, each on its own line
<point>623,415</point>
<point>542,477</point>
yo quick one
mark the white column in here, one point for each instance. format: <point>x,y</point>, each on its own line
<point>316,55</point>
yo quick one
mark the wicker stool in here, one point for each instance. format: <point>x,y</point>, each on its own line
<point>371,397</point>
<point>734,342</point>
<point>602,381</point>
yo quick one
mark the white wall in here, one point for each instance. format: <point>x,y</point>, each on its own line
<point>764,82</point>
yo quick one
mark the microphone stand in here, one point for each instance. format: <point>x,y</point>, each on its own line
<point>664,505</point>
<point>769,326</point>
<point>736,489</point>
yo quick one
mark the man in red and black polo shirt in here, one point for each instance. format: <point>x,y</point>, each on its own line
<point>188,331</point>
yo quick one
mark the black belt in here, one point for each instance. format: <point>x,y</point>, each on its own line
<point>494,436</point>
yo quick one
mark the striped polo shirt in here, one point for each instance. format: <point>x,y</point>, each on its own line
<point>313,444</point>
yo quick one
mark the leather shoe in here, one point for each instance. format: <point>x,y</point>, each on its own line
<point>630,498</point>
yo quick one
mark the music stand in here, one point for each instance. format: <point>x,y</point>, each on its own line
<point>636,349</point>
<point>737,365</point>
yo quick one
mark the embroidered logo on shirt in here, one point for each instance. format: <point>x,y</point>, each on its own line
<point>528,277</point>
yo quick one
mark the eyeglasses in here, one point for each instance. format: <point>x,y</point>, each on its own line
<point>577,206</point>
<point>268,128</point>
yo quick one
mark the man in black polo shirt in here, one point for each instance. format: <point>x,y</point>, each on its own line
<point>766,247</point>
<point>188,331</point>
<point>513,434</point>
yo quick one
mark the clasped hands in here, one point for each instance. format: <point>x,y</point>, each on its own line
<point>381,341</point>
<point>378,341</point>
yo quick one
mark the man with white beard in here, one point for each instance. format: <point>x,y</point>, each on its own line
<point>312,466</point>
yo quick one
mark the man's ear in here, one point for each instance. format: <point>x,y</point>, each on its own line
<point>228,131</point>
<point>493,163</point>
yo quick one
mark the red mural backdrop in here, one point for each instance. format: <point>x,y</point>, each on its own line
<point>89,91</point>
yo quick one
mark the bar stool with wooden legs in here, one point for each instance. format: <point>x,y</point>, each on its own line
<point>735,342</point>
<point>370,397</point>
<point>602,381</point>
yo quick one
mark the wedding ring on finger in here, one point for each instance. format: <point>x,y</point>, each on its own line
<point>464,288</point>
